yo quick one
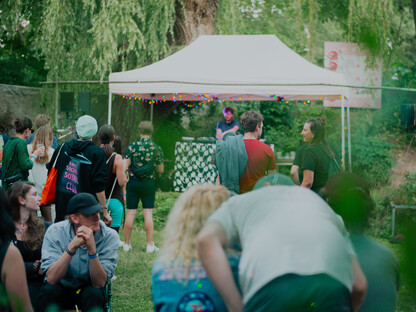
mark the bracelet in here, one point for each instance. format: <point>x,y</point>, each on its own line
<point>93,256</point>
<point>71,253</point>
<point>33,156</point>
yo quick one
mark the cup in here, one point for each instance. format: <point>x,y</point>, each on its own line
<point>39,146</point>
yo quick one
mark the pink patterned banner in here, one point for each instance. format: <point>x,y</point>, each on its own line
<point>349,60</point>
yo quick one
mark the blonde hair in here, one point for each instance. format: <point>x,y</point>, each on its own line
<point>43,136</point>
<point>186,219</point>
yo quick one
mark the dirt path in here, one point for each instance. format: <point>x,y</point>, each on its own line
<point>405,162</point>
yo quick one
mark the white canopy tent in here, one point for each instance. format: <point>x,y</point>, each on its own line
<point>246,68</point>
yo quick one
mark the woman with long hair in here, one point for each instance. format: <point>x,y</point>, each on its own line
<point>14,295</point>
<point>39,173</point>
<point>316,156</point>
<point>16,161</point>
<point>116,177</point>
<point>178,277</point>
<point>30,230</point>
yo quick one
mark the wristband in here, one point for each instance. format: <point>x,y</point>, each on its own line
<point>93,256</point>
<point>71,253</point>
<point>33,156</point>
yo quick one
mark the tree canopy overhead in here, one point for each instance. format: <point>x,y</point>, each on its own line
<point>88,39</point>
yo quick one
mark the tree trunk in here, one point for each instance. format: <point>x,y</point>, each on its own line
<point>194,18</point>
<point>414,13</point>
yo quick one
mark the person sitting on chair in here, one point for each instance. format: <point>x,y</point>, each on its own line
<point>79,255</point>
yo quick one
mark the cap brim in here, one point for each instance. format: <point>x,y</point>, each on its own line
<point>91,209</point>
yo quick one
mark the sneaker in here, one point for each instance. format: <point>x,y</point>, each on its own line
<point>153,248</point>
<point>126,247</point>
<point>120,244</point>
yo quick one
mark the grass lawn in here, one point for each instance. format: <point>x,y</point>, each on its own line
<point>132,289</point>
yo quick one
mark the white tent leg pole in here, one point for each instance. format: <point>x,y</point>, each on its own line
<point>109,107</point>
<point>349,135</point>
<point>151,113</point>
<point>342,131</point>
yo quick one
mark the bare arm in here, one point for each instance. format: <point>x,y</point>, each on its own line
<point>210,243</point>
<point>308,176</point>
<point>127,163</point>
<point>119,166</point>
<point>160,168</point>
<point>294,172</point>
<point>219,134</point>
<point>101,199</point>
<point>14,279</point>
<point>359,286</point>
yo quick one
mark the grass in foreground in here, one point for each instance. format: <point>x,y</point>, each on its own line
<point>132,289</point>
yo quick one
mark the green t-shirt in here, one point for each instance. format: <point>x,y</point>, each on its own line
<point>316,159</point>
<point>16,159</point>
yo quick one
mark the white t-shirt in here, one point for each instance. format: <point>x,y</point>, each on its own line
<point>38,174</point>
<point>282,230</point>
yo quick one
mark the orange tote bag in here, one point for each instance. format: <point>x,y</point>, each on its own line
<point>48,192</point>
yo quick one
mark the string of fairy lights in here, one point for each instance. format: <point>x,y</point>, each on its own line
<point>203,99</point>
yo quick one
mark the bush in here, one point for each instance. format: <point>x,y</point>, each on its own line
<point>372,159</point>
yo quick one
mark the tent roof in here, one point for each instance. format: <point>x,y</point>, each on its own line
<point>254,67</point>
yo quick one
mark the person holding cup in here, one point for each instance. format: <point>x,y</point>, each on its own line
<point>16,161</point>
<point>38,174</point>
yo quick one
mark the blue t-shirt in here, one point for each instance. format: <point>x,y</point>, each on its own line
<point>227,126</point>
<point>172,292</point>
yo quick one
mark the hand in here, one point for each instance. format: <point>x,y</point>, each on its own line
<point>38,263</point>
<point>76,242</point>
<point>107,218</point>
<point>87,235</point>
<point>39,151</point>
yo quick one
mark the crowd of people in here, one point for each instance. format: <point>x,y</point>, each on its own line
<point>256,241</point>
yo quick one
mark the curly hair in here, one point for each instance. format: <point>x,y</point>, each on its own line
<point>146,127</point>
<point>35,226</point>
<point>185,221</point>
<point>250,119</point>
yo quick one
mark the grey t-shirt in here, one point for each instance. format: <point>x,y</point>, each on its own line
<point>285,229</point>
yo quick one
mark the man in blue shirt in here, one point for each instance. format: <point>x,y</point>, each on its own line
<point>78,255</point>
<point>228,124</point>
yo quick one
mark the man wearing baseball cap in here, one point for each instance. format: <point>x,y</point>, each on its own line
<point>81,167</point>
<point>78,255</point>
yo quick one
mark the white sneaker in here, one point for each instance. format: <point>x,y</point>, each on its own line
<point>153,248</point>
<point>120,244</point>
<point>126,247</point>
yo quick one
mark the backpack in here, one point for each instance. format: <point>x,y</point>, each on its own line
<point>333,166</point>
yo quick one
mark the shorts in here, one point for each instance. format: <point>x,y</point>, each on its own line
<point>116,209</point>
<point>297,293</point>
<point>143,190</point>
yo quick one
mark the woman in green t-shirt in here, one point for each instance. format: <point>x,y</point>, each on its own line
<point>16,160</point>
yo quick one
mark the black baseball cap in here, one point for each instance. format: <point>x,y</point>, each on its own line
<point>85,203</point>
